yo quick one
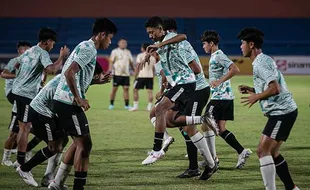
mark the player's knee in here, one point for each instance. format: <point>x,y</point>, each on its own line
<point>261,152</point>
<point>152,113</point>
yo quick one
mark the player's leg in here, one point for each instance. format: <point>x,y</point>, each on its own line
<point>210,137</point>
<point>125,84</point>
<point>114,90</point>
<point>31,144</point>
<point>52,164</point>
<point>135,95</point>
<point>81,160</point>
<point>44,128</point>
<point>64,169</point>
<point>10,141</point>
<point>149,88</point>
<point>167,139</point>
<point>285,123</point>
<point>23,105</point>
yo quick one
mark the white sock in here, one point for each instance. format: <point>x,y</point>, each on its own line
<point>210,137</point>
<point>62,173</point>
<point>153,121</point>
<point>268,171</point>
<point>149,106</point>
<point>135,104</point>
<point>193,120</point>
<point>52,163</point>
<point>201,144</point>
<point>6,154</point>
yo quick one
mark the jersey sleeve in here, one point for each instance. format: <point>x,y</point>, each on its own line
<point>223,60</point>
<point>45,59</point>
<point>11,65</point>
<point>267,70</point>
<point>84,56</point>
<point>186,51</point>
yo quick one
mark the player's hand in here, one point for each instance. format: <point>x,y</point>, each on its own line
<point>83,103</point>
<point>158,95</point>
<point>215,83</point>
<point>244,89</point>
<point>151,48</point>
<point>250,100</point>
<point>105,77</point>
<point>64,52</point>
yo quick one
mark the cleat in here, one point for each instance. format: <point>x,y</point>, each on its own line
<point>47,179</point>
<point>54,186</point>
<point>210,122</point>
<point>153,157</point>
<point>133,109</point>
<point>242,158</point>
<point>128,107</point>
<point>111,107</point>
<point>208,172</point>
<point>204,163</point>
<point>27,177</point>
<point>7,163</point>
<point>167,143</point>
<point>189,173</point>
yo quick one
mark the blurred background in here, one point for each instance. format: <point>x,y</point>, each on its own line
<point>286,25</point>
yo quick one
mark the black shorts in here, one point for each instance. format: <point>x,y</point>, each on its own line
<point>181,93</point>
<point>23,105</point>
<point>72,118</point>
<point>221,109</point>
<point>46,128</point>
<point>196,104</point>
<point>142,83</point>
<point>13,126</point>
<point>11,97</point>
<point>279,127</point>
<point>121,81</point>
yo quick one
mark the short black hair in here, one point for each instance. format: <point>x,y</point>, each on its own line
<point>252,35</point>
<point>154,22</point>
<point>144,46</point>
<point>23,43</point>
<point>47,34</point>
<point>98,68</point>
<point>210,36</point>
<point>170,24</point>
<point>104,25</point>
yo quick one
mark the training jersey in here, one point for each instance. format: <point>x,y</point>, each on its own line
<point>219,65</point>
<point>32,64</point>
<point>84,55</point>
<point>43,102</point>
<point>264,71</point>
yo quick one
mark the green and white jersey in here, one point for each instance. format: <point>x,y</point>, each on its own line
<point>43,102</point>
<point>264,71</point>
<point>218,67</point>
<point>9,82</point>
<point>174,59</point>
<point>85,55</point>
<point>201,81</point>
<point>32,64</point>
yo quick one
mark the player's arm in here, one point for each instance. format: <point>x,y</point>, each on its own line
<point>70,73</point>
<point>44,77</point>
<point>244,89</point>
<point>272,90</point>
<point>111,60</point>
<point>194,66</point>
<point>233,70</point>
<point>6,74</point>
<point>101,78</point>
<point>53,68</point>
<point>176,39</point>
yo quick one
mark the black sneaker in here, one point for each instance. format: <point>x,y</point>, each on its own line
<point>208,172</point>
<point>189,173</point>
